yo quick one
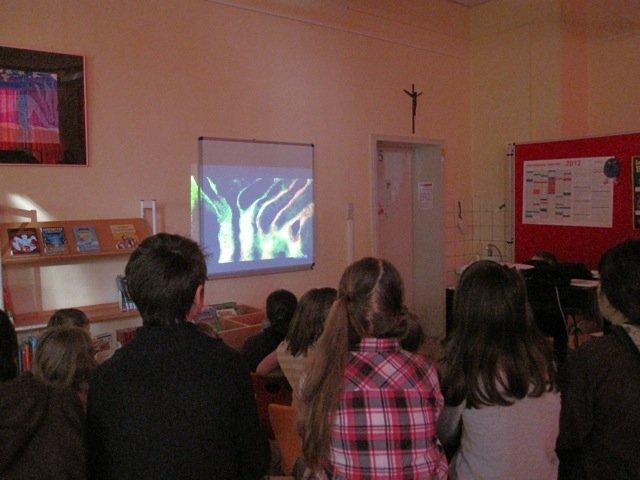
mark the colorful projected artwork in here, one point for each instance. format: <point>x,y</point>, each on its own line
<point>256,219</point>
<point>252,206</point>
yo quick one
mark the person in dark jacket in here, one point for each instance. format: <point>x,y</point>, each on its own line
<point>8,349</point>
<point>281,306</point>
<point>42,421</point>
<point>600,384</point>
<point>173,403</point>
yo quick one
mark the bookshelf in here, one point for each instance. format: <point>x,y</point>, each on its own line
<point>108,248</point>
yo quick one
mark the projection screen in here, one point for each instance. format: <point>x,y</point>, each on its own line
<point>252,206</point>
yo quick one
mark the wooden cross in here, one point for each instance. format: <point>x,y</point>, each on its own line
<point>414,105</point>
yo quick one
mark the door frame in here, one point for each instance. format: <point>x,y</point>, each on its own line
<point>373,149</point>
<point>436,329</point>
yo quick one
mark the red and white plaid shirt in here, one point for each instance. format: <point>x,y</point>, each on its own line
<point>385,426</point>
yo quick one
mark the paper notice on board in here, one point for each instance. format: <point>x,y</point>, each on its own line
<point>425,195</point>
<point>569,191</point>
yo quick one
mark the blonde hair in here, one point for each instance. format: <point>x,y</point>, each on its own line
<point>64,357</point>
<point>369,304</point>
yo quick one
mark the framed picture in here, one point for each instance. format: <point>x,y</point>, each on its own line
<point>42,108</point>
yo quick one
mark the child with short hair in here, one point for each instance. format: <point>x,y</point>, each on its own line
<point>281,305</point>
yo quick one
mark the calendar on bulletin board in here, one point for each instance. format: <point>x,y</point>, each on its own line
<point>599,210</point>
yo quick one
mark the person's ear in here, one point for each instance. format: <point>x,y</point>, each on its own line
<point>198,303</point>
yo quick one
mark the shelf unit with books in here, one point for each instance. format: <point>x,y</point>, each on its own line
<point>83,242</point>
<point>107,244</point>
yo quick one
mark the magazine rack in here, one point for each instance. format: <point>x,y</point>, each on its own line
<point>108,247</point>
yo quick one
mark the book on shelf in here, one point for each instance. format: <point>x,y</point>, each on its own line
<point>86,239</point>
<point>54,240</point>
<point>103,346</point>
<point>125,335</point>
<point>124,236</point>
<point>227,309</point>
<point>23,241</point>
<point>209,315</point>
<point>125,301</point>
<point>7,302</point>
<point>102,342</point>
<point>26,352</point>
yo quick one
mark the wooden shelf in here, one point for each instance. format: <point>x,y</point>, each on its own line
<point>103,232</point>
<point>97,313</point>
<point>108,248</point>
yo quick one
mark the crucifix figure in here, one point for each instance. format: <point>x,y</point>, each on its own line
<point>414,105</point>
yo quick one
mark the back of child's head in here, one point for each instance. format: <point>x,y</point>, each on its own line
<point>8,348</point>
<point>372,297</point>
<point>68,317</point>
<point>370,304</point>
<point>163,276</point>
<point>64,357</point>
<point>495,353</point>
<point>308,320</point>
<point>619,270</point>
<point>281,306</point>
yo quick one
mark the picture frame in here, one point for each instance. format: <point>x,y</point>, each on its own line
<point>42,108</point>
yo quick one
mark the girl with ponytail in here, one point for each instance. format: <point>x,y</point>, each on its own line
<point>368,407</point>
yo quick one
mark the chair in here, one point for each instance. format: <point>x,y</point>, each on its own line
<point>543,287</point>
<point>283,421</point>
<point>270,389</point>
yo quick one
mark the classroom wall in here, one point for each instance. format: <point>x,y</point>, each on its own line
<point>162,73</point>
<point>544,70</point>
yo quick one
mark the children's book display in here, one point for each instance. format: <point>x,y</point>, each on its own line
<point>64,242</point>
<point>124,236</point>
<point>86,239</point>
<point>24,241</point>
<point>54,240</point>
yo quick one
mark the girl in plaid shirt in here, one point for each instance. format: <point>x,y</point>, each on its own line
<point>369,408</point>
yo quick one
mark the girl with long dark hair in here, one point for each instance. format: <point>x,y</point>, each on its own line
<point>498,381</point>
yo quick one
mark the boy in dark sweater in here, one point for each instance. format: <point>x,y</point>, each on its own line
<point>173,402</point>
<point>600,384</point>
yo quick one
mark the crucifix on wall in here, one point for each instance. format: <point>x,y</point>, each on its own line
<point>414,105</point>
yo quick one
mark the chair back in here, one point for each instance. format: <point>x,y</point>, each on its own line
<point>283,421</point>
<point>270,389</point>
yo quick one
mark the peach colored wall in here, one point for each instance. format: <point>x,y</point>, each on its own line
<point>543,70</point>
<point>162,73</point>
<point>614,83</point>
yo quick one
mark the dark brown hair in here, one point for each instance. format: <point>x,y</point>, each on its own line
<point>70,317</point>
<point>308,320</point>
<point>369,304</point>
<point>64,357</point>
<point>163,274</point>
<point>281,305</point>
<point>619,269</point>
<point>496,353</point>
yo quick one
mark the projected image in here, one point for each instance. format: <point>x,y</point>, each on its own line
<point>255,218</point>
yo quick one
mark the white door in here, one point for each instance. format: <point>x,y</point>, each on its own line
<point>409,225</point>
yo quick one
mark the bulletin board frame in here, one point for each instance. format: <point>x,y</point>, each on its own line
<point>577,243</point>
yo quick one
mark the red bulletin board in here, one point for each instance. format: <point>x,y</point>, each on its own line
<point>570,243</point>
